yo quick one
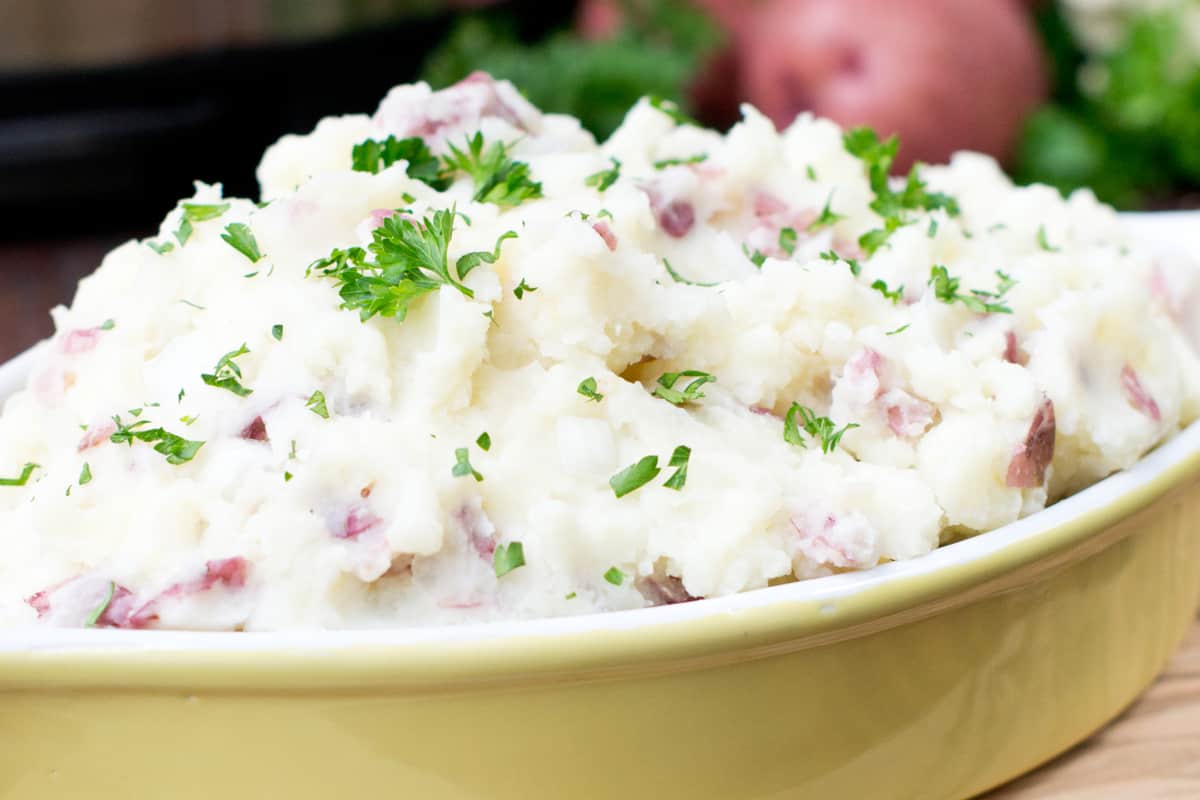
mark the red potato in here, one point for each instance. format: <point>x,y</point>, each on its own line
<point>945,75</point>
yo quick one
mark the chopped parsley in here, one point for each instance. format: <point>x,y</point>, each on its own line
<point>484,441</point>
<point>228,375</point>
<point>177,449</point>
<point>891,205</point>
<point>634,476</point>
<point>287,477</point>
<point>277,332</point>
<point>373,155</point>
<point>161,249</point>
<point>498,179</point>
<point>679,460</point>
<point>239,236</point>
<point>23,478</point>
<point>689,394</point>
<point>895,295</point>
<point>108,325</point>
<point>662,164</point>
<point>462,465</point>
<point>99,610</point>
<point>945,288</point>
<point>508,557</point>
<point>672,110</point>
<point>757,258</point>
<point>197,212</point>
<point>522,288</point>
<point>316,404</point>
<point>410,261</point>
<point>571,596</point>
<point>833,258</point>
<point>292,454</point>
<point>614,576</point>
<point>85,474</point>
<point>787,240</point>
<point>810,171</point>
<point>1043,243</point>
<point>826,218</point>
<point>821,428</point>
<point>901,329</point>
<point>188,420</point>
<point>602,180</point>
<point>587,388</point>
<point>933,228</point>
<point>680,279</point>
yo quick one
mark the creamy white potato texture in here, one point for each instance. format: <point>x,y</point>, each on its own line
<point>322,412</point>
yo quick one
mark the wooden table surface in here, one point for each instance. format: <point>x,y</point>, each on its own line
<point>1152,751</point>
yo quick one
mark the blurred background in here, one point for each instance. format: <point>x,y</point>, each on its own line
<point>110,108</point>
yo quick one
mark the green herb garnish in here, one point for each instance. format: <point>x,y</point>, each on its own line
<point>462,465</point>
<point>177,449</point>
<point>614,576</point>
<point>1043,243</point>
<point>85,474</point>
<point>680,279</point>
<point>602,180</point>
<point>679,460</point>
<point>787,240</point>
<point>945,288</point>
<point>522,288</point>
<point>497,178</point>
<point>587,388</point>
<point>277,332</point>
<point>508,557</point>
<point>239,236</point>
<point>690,393</point>
<point>484,441</point>
<point>228,375</point>
<point>827,218</point>
<point>23,478</point>
<point>373,155</point>
<point>822,428</point>
<point>197,212</point>
<point>901,329</point>
<point>161,249</point>
<point>833,258</point>
<point>316,404</point>
<point>662,164</point>
<point>99,610</point>
<point>634,476</point>
<point>895,295</point>
<point>672,110</point>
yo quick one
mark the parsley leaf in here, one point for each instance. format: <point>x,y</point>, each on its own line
<point>239,236</point>
<point>662,164</point>
<point>316,404</point>
<point>895,295</point>
<point>161,249</point>
<point>690,394</point>
<point>680,279</point>
<point>832,257</point>
<point>23,479</point>
<point>602,180</point>
<point>410,262</point>
<point>634,476</point>
<point>826,219</point>
<point>497,178</point>
<point>787,241</point>
<point>757,258</point>
<point>508,557</point>
<point>484,441</point>
<point>277,332</point>
<point>99,610</point>
<point>679,460</point>
<point>1043,243</point>
<point>197,212</point>
<point>821,428</point>
<point>373,155</point>
<point>108,325</point>
<point>522,288</point>
<point>228,375</point>
<point>672,110</point>
<point>462,465</point>
<point>177,449</point>
<point>615,576</point>
<point>587,388</point>
<point>901,329</point>
<point>85,474</point>
<point>945,288</point>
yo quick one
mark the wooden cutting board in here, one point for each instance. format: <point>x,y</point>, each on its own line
<point>1152,751</point>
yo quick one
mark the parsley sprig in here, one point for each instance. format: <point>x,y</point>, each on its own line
<point>497,178</point>
<point>800,418</point>
<point>508,557</point>
<point>410,261</point>
<point>177,449</point>
<point>832,257</point>
<point>587,388</point>
<point>195,212</point>
<point>239,236</point>
<point>228,375</point>
<point>679,460</point>
<point>602,180</point>
<point>690,393</point>
<point>893,206</point>
<point>372,155</point>
<point>945,288</point>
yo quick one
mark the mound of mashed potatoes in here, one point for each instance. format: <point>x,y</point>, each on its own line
<point>464,364</point>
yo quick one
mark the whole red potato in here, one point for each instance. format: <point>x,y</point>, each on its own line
<point>945,75</point>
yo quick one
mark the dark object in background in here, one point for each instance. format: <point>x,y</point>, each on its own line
<point>112,147</point>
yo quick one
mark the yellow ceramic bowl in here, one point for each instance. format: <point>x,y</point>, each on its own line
<point>934,678</point>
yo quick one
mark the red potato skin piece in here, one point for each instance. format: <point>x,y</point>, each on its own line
<point>256,431</point>
<point>80,341</point>
<point>1027,468</point>
<point>1137,395</point>
<point>663,590</point>
<point>605,232</point>
<point>676,218</point>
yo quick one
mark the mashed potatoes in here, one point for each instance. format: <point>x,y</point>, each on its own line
<point>557,378</point>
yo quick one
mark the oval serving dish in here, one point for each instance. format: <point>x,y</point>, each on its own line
<point>934,678</point>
